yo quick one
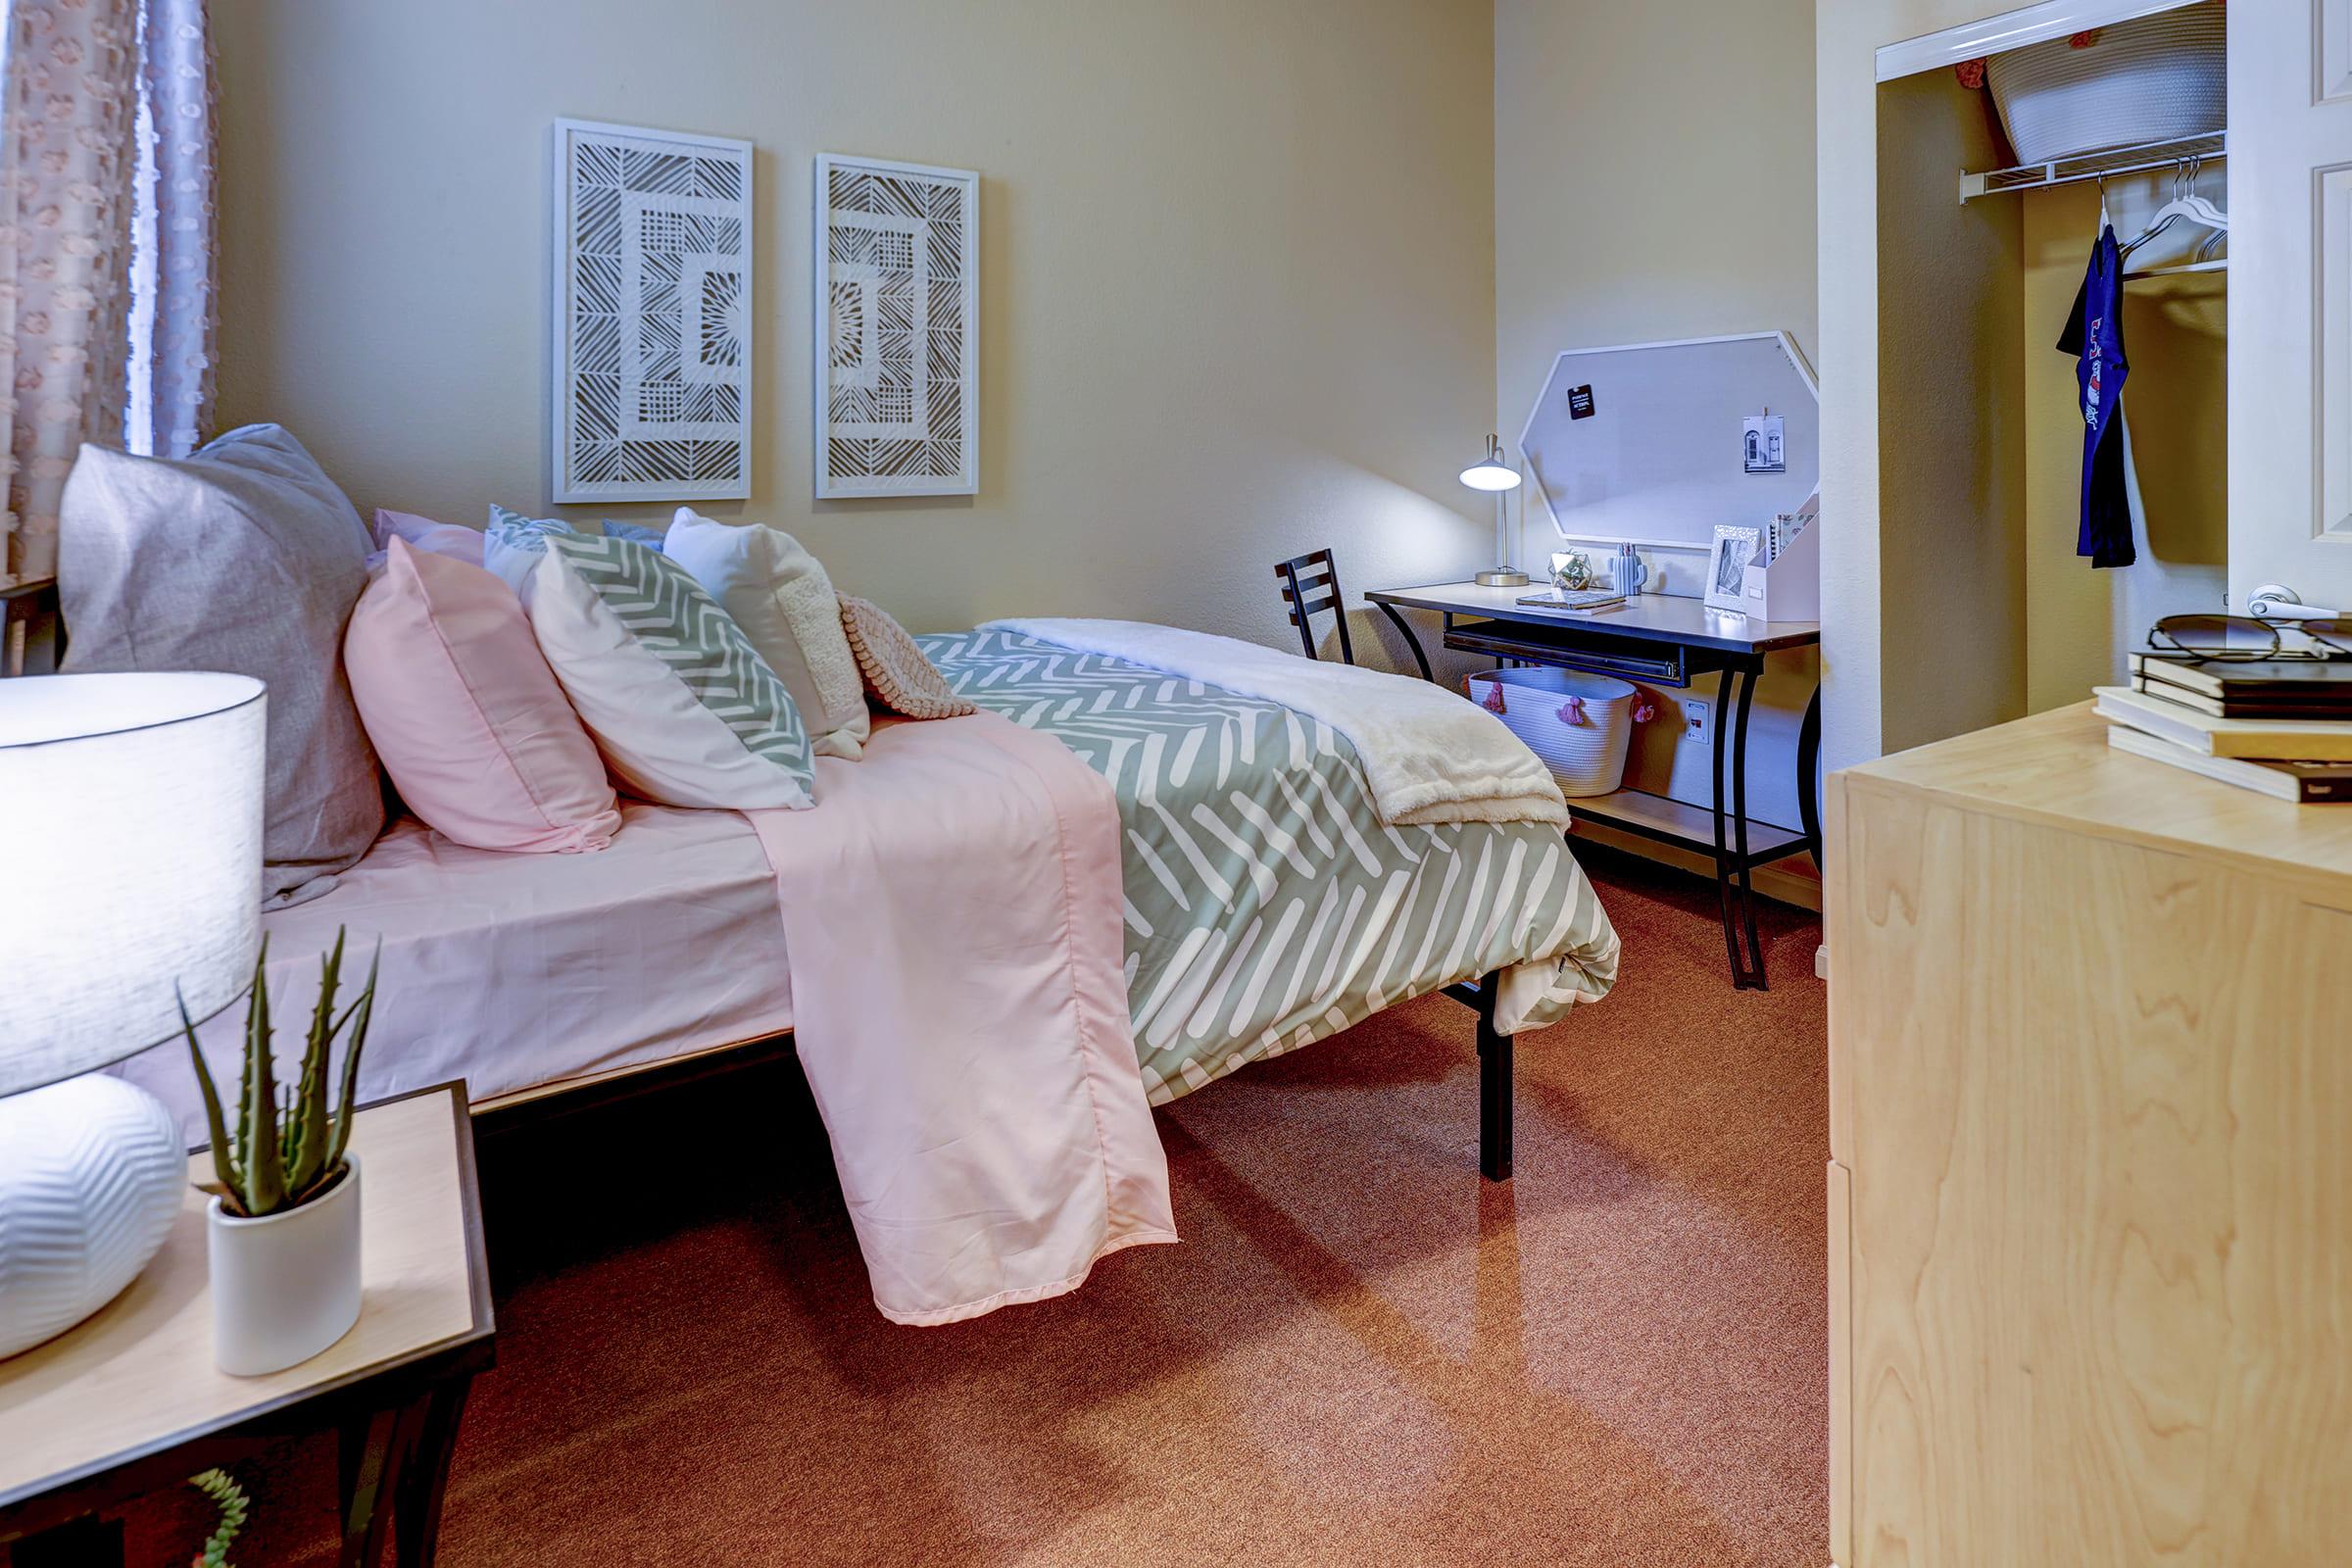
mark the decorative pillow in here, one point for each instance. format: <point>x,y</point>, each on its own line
<point>466,716</point>
<point>785,604</point>
<point>686,711</point>
<point>454,540</point>
<point>900,677</point>
<point>514,544</point>
<point>636,534</point>
<point>243,556</point>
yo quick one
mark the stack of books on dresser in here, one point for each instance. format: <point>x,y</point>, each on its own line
<point>2283,726</point>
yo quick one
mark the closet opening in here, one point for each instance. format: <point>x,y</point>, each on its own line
<point>2011,581</point>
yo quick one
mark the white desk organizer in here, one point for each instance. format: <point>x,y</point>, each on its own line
<point>1789,588</point>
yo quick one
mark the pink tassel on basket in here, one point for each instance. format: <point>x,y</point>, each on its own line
<point>1571,711</point>
<point>1494,699</point>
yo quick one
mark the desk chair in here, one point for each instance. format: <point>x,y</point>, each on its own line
<point>1303,576</point>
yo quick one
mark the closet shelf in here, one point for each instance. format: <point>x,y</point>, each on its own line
<point>2093,165</point>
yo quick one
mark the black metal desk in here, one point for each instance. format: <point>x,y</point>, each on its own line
<point>1663,641</point>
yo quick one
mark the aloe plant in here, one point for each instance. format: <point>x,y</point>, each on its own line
<point>289,1146</point>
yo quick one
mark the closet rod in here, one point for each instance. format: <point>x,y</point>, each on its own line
<point>2220,263</point>
<point>2093,165</point>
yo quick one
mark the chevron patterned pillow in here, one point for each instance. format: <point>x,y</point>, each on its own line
<point>685,711</point>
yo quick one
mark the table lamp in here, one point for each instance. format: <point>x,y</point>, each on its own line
<point>130,810</point>
<point>1491,472</point>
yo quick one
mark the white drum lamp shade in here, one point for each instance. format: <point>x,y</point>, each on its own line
<point>130,810</point>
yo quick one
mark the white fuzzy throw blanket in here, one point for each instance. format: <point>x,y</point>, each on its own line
<point>1429,754</point>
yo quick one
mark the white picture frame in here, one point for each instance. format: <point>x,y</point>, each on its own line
<point>896,388</point>
<point>1735,548</point>
<point>653,340</point>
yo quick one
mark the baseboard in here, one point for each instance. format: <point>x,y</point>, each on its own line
<point>1791,880</point>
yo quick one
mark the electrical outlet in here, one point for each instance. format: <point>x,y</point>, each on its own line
<point>1695,718</point>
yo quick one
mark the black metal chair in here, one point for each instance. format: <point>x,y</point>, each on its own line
<point>1301,579</point>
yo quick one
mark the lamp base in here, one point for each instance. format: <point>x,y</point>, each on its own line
<point>1501,577</point>
<point>90,1176</point>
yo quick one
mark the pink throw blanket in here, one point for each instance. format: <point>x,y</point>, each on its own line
<point>952,915</point>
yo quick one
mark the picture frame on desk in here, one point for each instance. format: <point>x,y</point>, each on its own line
<point>1736,552</point>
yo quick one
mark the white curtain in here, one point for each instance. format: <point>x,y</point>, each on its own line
<point>173,315</point>
<point>82,79</point>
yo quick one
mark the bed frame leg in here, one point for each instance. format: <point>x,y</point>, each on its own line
<point>1494,1089</point>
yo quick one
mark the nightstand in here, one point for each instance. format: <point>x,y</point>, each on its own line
<point>129,1402</point>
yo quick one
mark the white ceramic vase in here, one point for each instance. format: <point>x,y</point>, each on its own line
<point>285,1286</point>
<point>91,1177</point>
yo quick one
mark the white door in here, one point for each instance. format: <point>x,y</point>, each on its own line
<point>2291,300</point>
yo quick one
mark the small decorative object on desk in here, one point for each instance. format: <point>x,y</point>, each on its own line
<point>283,1230</point>
<point>1628,572</point>
<point>1571,571</point>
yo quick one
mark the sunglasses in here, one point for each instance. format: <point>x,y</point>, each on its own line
<point>2245,639</point>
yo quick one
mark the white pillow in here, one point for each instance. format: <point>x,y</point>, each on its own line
<point>684,709</point>
<point>513,544</point>
<point>782,599</point>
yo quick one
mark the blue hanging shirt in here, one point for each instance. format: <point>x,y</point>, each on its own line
<point>2095,334</point>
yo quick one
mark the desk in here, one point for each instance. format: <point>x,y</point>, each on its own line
<point>129,1402</point>
<point>1663,641</point>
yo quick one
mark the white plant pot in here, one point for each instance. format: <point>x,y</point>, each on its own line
<point>285,1286</point>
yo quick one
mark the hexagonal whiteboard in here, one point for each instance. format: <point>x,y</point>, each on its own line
<point>1658,459</point>
<point>652,315</point>
<point>897,392</point>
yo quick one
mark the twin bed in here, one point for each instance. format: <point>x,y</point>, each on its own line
<point>1266,898</point>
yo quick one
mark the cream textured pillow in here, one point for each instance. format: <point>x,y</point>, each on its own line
<point>782,599</point>
<point>894,667</point>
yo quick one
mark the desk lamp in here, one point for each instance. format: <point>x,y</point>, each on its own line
<point>1491,472</point>
<point>131,877</point>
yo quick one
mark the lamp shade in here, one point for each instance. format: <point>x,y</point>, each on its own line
<point>1491,472</point>
<point>130,862</point>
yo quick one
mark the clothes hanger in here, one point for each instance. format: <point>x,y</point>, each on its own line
<point>2185,204</point>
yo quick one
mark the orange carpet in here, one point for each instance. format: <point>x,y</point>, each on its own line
<point>1360,1354</point>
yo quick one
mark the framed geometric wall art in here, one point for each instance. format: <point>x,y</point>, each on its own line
<point>898,329</point>
<point>652,315</point>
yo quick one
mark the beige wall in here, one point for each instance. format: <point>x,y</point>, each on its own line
<point>1237,263</point>
<point>2080,622</point>
<point>1654,180</point>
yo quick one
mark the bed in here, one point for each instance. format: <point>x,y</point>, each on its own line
<point>1264,904</point>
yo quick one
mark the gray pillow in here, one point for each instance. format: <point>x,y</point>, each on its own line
<point>245,558</point>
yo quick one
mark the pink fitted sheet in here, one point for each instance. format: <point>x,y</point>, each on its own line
<point>511,972</point>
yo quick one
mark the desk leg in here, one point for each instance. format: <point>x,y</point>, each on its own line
<point>1748,892</point>
<point>1715,793</point>
<point>1809,778</point>
<point>425,1478</point>
<point>1410,640</point>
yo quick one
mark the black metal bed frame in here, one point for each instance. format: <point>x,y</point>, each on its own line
<point>34,607</point>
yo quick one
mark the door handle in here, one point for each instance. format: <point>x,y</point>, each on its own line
<point>2276,601</point>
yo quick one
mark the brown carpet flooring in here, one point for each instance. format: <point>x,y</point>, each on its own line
<point>1360,1354</point>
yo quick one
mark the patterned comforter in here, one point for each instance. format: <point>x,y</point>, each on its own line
<point>1266,905</point>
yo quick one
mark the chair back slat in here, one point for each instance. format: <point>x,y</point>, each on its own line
<point>1314,574</point>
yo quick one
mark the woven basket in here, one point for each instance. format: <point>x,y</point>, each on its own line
<point>2153,79</point>
<point>1581,725</point>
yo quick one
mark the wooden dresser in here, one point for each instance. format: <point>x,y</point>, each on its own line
<point>2091,1193</point>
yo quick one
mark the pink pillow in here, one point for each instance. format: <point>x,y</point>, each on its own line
<point>454,540</point>
<point>466,716</point>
